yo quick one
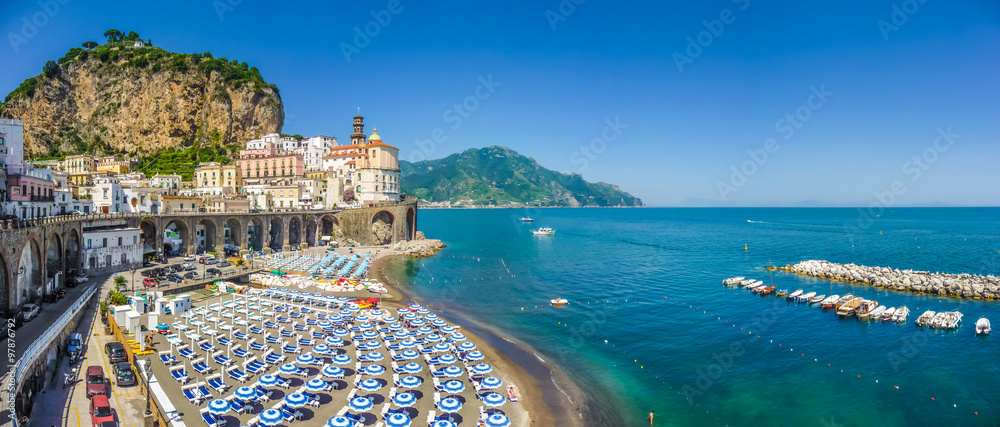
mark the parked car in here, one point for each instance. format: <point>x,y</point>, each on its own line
<point>29,311</point>
<point>173,277</point>
<point>225,264</point>
<point>190,258</point>
<point>101,412</point>
<point>212,272</point>
<point>177,267</point>
<point>204,258</point>
<point>95,381</point>
<point>124,374</point>
<point>116,352</point>
<point>211,261</point>
<point>146,263</point>
<point>190,276</point>
<point>190,267</point>
<point>147,273</point>
<point>81,279</point>
<point>75,343</point>
<point>149,282</point>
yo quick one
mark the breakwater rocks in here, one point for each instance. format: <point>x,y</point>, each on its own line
<point>418,247</point>
<point>955,285</point>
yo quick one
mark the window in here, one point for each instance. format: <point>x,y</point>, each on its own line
<point>1,141</point>
<point>135,239</point>
<point>105,243</point>
<point>119,241</point>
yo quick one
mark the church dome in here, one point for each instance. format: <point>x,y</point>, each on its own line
<point>374,136</point>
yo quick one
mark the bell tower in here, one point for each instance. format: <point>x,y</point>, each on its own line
<point>358,137</point>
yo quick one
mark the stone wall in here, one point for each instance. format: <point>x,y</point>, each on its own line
<point>954,285</point>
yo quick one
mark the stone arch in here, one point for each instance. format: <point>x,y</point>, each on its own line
<point>147,235</point>
<point>72,241</point>
<point>205,235</point>
<point>294,232</point>
<point>232,234</point>
<point>255,234</point>
<point>176,239</point>
<point>311,232</point>
<point>276,233</point>
<point>411,224</point>
<point>53,258</point>
<point>381,227</point>
<point>29,272</point>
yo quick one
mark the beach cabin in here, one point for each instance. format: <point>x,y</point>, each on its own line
<point>120,314</point>
<point>137,303</point>
<point>132,320</point>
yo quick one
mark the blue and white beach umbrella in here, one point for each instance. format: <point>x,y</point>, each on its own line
<point>410,316</point>
<point>374,356</point>
<point>443,423</point>
<point>404,399</point>
<point>407,343</point>
<point>345,313</point>
<point>409,354</point>
<point>397,420</point>
<point>452,371</point>
<point>497,420</point>
<point>401,335</point>
<point>271,417</point>
<point>433,338</point>
<point>218,406</point>
<point>389,319</point>
<point>305,359</point>
<point>333,371</point>
<point>288,368</point>
<point>369,385</point>
<point>324,324</point>
<point>494,399</point>
<point>474,356</point>
<point>439,323</point>
<point>334,341</point>
<point>377,313</point>
<point>365,324</point>
<point>340,421</point>
<point>341,359</point>
<point>267,380</point>
<point>457,336</point>
<point>490,383</point>
<point>341,332</point>
<point>395,326</point>
<point>422,310</point>
<point>322,348</point>
<point>360,404</point>
<point>419,322</point>
<point>411,368</point>
<point>450,404</point>
<point>296,400</point>
<point>431,316</point>
<point>316,384</point>
<point>447,359</point>
<point>374,370</point>
<point>442,347</point>
<point>466,346</point>
<point>448,329</point>
<point>371,345</point>
<point>453,386</point>
<point>361,318</point>
<point>415,306</point>
<point>410,382</point>
<point>246,393</point>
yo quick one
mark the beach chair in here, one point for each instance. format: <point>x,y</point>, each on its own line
<point>274,359</point>
<point>241,353</point>
<point>385,410</point>
<point>255,366</point>
<point>270,325</point>
<point>283,382</point>
<point>425,350</point>
<point>222,360</point>
<point>256,330</point>
<point>299,328</point>
<point>291,349</point>
<point>237,375</point>
<point>306,342</point>
<point>185,352</point>
<point>310,322</point>
<point>343,410</point>
<point>200,366</point>
<point>284,320</point>
<point>207,347</point>
<point>209,418</point>
<point>205,394</point>
<point>192,395</point>
<point>256,346</point>
<point>253,422</point>
<point>437,384</point>
<point>224,341</point>
<point>215,381</point>
<point>322,316</point>
<point>179,374</point>
<point>263,394</point>
<point>240,336</point>
<point>167,358</point>
<point>350,395</point>
<point>271,339</point>
<point>238,405</point>
<point>437,399</point>
<point>285,333</point>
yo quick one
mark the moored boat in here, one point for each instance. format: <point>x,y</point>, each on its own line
<point>925,319</point>
<point>816,299</point>
<point>866,308</point>
<point>901,314</point>
<point>849,307</point>
<point>876,314</point>
<point>559,301</point>
<point>843,300</point>
<point>805,297</point>
<point>527,219</point>
<point>782,293</point>
<point>767,290</point>
<point>829,301</point>
<point>732,281</point>
<point>795,294</point>
<point>889,314</point>
<point>983,326</point>
<point>938,319</point>
<point>951,320</point>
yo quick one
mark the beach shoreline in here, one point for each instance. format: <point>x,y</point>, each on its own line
<point>535,406</point>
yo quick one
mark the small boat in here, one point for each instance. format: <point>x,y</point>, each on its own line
<point>526,219</point>
<point>816,299</point>
<point>544,231</point>
<point>901,314</point>
<point>733,281</point>
<point>850,307</point>
<point>795,294</point>
<point>951,320</point>
<point>983,326</point>
<point>938,319</point>
<point>829,301</point>
<point>889,314</point>
<point>805,297</point>
<point>876,314</point>
<point>757,287</point>
<point>925,319</point>
<point>559,301</point>
<point>782,292</point>
<point>843,300</point>
<point>767,290</point>
<point>747,282</point>
<point>866,308</point>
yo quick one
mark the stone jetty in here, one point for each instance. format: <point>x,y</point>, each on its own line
<point>954,285</point>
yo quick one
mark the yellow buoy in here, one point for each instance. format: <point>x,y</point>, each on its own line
<point>744,247</point>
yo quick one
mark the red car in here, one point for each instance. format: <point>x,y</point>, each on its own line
<point>95,381</point>
<point>101,412</point>
<point>149,282</point>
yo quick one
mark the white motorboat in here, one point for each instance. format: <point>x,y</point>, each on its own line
<point>889,314</point>
<point>559,301</point>
<point>926,318</point>
<point>544,231</point>
<point>747,282</point>
<point>795,294</point>
<point>829,301</point>
<point>816,299</point>
<point>526,219</point>
<point>805,297</point>
<point>901,314</point>
<point>983,326</point>
<point>733,281</point>
<point>876,315</point>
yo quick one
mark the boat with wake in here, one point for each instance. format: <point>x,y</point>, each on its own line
<point>544,231</point>
<point>526,219</point>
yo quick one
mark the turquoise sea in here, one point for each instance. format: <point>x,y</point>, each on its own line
<point>807,368</point>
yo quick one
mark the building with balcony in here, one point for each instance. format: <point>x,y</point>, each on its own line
<point>216,179</point>
<point>109,248</point>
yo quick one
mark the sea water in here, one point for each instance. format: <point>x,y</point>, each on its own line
<point>650,328</point>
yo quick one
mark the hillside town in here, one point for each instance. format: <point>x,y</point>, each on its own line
<point>272,173</point>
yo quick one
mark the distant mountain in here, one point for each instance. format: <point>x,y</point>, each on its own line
<point>500,176</point>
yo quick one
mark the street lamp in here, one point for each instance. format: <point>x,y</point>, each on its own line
<point>149,373</point>
<point>133,278</point>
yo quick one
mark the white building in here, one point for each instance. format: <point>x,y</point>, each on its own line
<point>170,182</point>
<point>12,145</point>
<point>143,200</point>
<point>109,196</point>
<point>111,248</point>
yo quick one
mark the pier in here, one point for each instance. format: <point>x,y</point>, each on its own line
<point>922,282</point>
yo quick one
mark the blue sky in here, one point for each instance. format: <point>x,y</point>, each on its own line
<point>560,76</point>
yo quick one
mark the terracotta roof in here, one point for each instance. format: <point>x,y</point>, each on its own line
<point>381,144</point>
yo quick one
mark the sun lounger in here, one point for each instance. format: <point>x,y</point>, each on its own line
<point>240,336</point>
<point>285,333</point>
<point>255,366</point>
<point>241,353</point>
<point>350,395</point>
<point>283,382</point>
<point>437,398</point>
<point>192,395</point>
<point>237,375</point>
<point>224,341</point>
<point>186,352</point>
<point>274,359</point>
<point>180,375</point>
<point>222,360</point>
<point>205,394</point>
<point>167,358</point>
<point>271,339</point>
<point>215,381</point>
<point>238,405</point>
<point>256,346</point>
<point>283,320</point>
<point>431,417</point>
<point>299,328</point>
<point>209,418</point>
<point>306,342</point>
<point>262,393</point>
<point>256,330</point>
<point>310,322</point>
<point>200,366</point>
<point>207,347</point>
<point>291,349</point>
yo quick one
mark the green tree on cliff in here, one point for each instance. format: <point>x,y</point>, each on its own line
<point>89,45</point>
<point>50,69</point>
<point>113,35</point>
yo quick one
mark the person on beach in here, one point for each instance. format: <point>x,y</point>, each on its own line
<point>651,417</point>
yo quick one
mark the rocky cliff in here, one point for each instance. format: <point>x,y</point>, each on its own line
<point>141,100</point>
